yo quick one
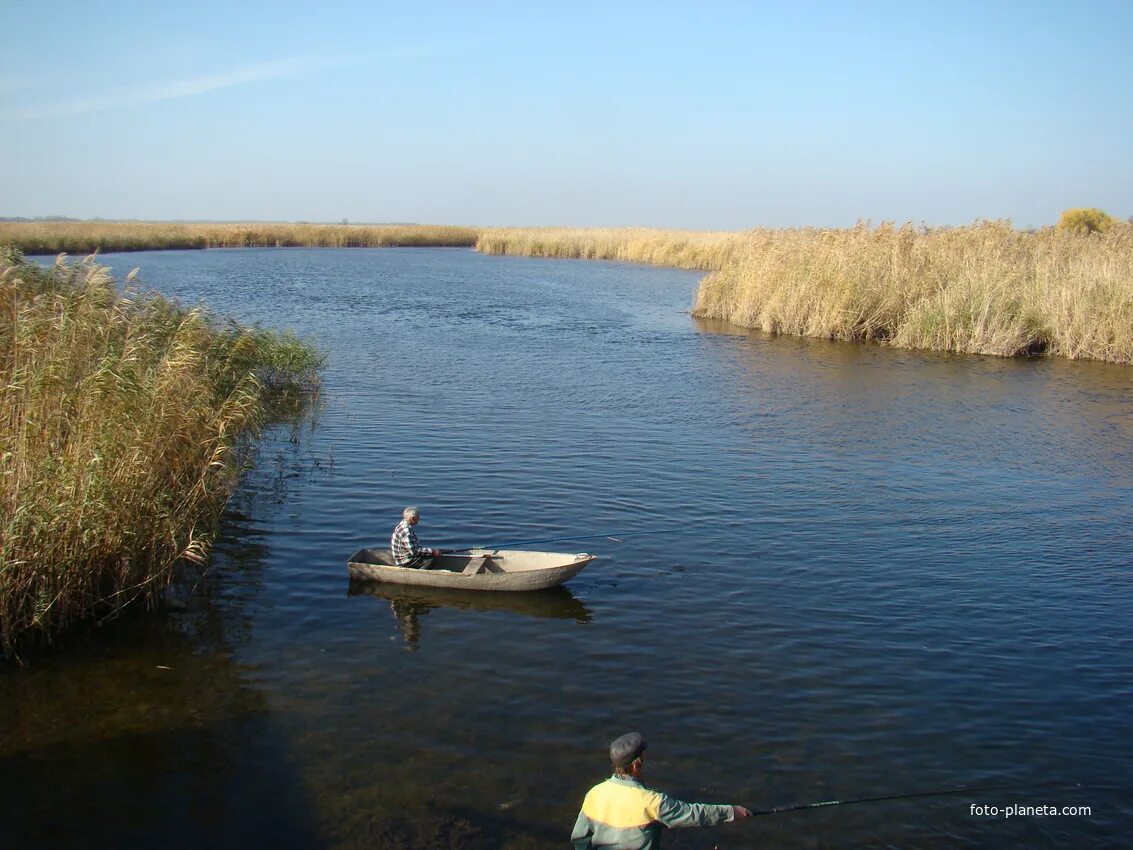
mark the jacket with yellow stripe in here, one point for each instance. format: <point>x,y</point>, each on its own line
<point>623,814</point>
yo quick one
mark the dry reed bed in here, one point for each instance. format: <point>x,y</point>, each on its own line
<point>82,237</point>
<point>684,249</point>
<point>124,420</point>
<point>984,289</point>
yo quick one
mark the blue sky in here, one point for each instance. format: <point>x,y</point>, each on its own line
<point>703,116</point>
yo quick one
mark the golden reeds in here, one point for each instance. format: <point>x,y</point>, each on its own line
<point>984,289</point>
<point>123,420</point>
<point>81,237</point>
<point>684,249</point>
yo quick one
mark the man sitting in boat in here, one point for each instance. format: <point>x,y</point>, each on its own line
<point>403,545</point>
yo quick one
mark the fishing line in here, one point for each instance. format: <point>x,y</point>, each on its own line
<point>778,810</point>
<point>962,789</point>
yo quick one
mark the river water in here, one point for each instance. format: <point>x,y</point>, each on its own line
<point>869,572</point>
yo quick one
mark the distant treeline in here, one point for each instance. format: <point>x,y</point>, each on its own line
<point>38,218</point>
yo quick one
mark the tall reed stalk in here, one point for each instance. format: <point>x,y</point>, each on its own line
<point>123,420</point>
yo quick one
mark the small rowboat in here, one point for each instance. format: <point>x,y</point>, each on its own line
<point>476,569</point>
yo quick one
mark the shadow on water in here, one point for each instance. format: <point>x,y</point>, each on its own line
<point>409,604</point>
<point>141,737</point>
<point>427,823</point>
<point>146,731</point>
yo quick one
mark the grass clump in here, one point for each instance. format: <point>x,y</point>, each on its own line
<point>79,237</point>
<point>124,420</point>
<point>984,289</point>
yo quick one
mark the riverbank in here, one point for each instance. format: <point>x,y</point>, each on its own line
<point>981,289</point>
<point>984,289</point>
<point>126,420</point>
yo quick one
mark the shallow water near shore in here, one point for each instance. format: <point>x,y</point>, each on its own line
<point>871,571</point>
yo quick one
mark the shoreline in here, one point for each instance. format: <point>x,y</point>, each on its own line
<point>984,288</point>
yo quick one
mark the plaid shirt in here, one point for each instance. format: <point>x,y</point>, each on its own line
<point>403,544</point>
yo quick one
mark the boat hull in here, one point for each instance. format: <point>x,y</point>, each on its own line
<point>506,570</point>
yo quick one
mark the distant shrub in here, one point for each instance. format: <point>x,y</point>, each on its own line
<point>1089,219</point>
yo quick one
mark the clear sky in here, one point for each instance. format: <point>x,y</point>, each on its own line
<point>704,115</point>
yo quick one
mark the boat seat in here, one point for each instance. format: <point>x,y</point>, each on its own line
<point>475,566</point>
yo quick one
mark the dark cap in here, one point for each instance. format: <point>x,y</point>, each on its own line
<point>627,748</point>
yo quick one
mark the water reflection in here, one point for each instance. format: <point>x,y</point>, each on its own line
<point>409,604</point>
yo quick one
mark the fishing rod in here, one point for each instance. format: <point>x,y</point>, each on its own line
<point>961,789</point>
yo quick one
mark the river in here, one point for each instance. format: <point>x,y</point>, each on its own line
<point>869,572</point>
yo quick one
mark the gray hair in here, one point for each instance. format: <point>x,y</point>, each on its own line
<point>410,512</point>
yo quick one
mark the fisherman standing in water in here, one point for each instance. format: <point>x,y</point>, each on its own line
<point>623,813</point>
